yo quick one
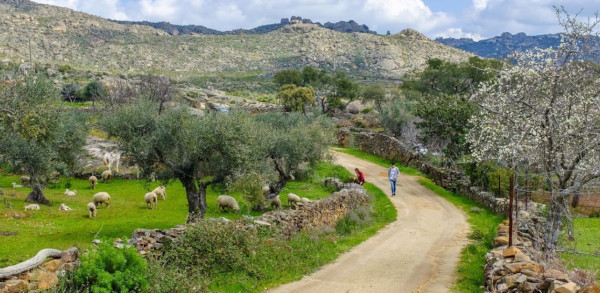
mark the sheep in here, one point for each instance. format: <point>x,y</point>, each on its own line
<point>305,201</point>
<point>91,207</point>
<point>162,191</point>
<point>106,175</point>
<point>25,180</point>
<point>151,198</point>
<point>64,207</point>
<point>70,192</point>
<point>32,207</point>
<point>293,199</point>
<point>15,185</point>
<point>101,198</point>
<point>93,181</point>
<point>276,202</point>
<point>226,201</point>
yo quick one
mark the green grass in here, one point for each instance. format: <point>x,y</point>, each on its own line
<point>483,230</point>
<point>587,233</point>
<point>51,228</point>
<point>379,161</point>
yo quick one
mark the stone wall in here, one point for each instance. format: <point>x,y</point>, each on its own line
<point>44,276</point>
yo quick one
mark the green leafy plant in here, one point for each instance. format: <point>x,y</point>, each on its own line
<point>109,269</point>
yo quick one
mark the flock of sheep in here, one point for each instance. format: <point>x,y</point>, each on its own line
<point>151,198</point>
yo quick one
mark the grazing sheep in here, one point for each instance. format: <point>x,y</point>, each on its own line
<point>276,202</point>
<point>162,191</point>
<point>305,201</point>
<point>25,180</point>
<point>91,207</point>
<point>15,185</point>
<point>70,192</point>
<point>293,199</point>
<point>101,198</point>
<point>226,201</point>
<point>93,181</point>
<point>64,207</point>
<point>32,207</point>
<point>151,198</point>
<point>106,175</point>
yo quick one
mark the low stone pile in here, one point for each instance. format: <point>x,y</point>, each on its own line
<point>152,240</point>
<point>318,213</point>
<point>43,277</point>
<point>521,267</point>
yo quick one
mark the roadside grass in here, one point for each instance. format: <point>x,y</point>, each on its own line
<point>483,227</point>
<point>379,161</point>
<point>586,241</point>
<point>483,230</point>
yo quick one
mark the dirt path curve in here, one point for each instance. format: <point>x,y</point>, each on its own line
<point>417,253</point>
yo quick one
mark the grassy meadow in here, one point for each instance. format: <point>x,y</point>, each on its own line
<point>24,233</point>
<point>587,233</point>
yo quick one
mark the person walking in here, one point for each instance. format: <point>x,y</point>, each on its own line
<point>360,177</point>
<point>393,173</point>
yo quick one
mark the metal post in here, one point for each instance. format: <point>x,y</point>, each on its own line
<point>499,187</point>
<point>510,209</point>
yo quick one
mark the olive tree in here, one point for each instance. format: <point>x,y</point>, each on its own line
<point>37,136</point>
<point>543,113</point>
<point>198,151</point>
<point>296,98</point>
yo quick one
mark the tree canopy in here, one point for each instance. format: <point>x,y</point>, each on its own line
<point>37,135</point>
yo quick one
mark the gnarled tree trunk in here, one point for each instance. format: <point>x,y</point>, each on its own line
<point>36,194</point>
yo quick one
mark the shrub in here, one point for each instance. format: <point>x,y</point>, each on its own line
<point>109,269</point>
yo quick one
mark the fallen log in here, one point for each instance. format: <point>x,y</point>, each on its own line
<point>30,263</point>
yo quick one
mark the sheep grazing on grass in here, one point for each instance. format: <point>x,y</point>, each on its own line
<point>162,191</point>
<point>25,180</point>
<point>70,192</point>
<point>106,175</point>
<point>226,201</point>
<point>101,198</point>
<point>93,181</point>
<point>151,198</point>
<point>293,199</point>
<point>64,207</point>
<point>32,207</point>
<point>15,185</point>
<point>91,207</point>
<point>276,202</point>
<point>305,201</point>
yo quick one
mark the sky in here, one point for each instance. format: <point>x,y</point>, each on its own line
<point>476,19</point>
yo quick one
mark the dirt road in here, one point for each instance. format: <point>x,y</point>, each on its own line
<point>416,253</point>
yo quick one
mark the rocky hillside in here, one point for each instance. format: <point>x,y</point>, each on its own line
<point>173,29</point>
<point>58,36</point>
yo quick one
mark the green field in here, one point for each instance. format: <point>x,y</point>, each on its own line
<point>587,233</point>
<point>51,228</point>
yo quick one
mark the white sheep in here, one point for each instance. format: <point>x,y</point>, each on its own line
<point>305,201</point>
<point>64,207</point>
<point>101,198</point>
<point>93,181</point>
<point>91,207</point>
<point>32,207</point>
<point>24,180</point>
<point>106,175</point>
<point>293,199</point>
<point>276,202</point>
<point>151,198</point>
<point>162,191</point>
<point>15,185</point>
<point>70,192</point>
<point>226,201</point>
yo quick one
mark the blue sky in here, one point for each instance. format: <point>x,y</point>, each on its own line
<point>456,18</point>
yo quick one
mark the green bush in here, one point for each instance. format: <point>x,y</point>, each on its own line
<point>109,269</point>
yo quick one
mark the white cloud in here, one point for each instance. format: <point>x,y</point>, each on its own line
<point>159,9</point>
<point>457,33</point>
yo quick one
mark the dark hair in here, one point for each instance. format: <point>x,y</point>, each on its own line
<point>393,163</point>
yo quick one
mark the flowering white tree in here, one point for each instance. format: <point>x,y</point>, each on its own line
<point>544,113</point>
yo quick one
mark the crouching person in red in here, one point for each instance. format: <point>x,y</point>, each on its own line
<point>360,177</point>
